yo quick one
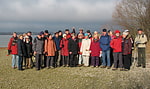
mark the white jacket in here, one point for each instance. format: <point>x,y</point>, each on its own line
<point>85,46</point>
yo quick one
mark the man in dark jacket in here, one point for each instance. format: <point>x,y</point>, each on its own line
<point>73,50</point>
<point>38,48</point>
<point>57,54</point>
<point>105,45</point>
<point>21,52</point>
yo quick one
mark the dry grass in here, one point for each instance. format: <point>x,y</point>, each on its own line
<point>71,78</point>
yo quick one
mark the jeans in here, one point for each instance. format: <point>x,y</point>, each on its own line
<point>20,63</point>
<point>15,60</point>
<point>57,58</point>
<point>106,58</point>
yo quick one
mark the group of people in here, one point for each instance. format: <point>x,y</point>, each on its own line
<point>77,49</point>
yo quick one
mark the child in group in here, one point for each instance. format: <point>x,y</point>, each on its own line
<point>50,49</point>
<point>85,49</point>
<point>95,51</point>
<point>64,51</point>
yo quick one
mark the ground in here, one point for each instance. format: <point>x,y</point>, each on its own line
<point>71,78</point>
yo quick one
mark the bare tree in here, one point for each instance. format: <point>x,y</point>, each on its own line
<point>133,14</point>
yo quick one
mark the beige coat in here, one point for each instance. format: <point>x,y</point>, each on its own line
<point>140,41</point>
<point>85,47</point>
<point>50,47</point>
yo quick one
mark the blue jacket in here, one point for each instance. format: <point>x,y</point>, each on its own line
<point>57,42</point>
<point>105,42</point>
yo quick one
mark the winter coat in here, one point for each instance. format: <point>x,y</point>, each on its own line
<point>105,42</point>
<point>50,47</point>
<point>21,48</point>
<point>126,46</point>
<point>28,48</point>
<point>57,42</point>
<point>73,46</point>
<point>12,45</point>
<point>85,47</point>
<point>64,47</point>
<point>79,44</point>
<point>141,41</point>
<point>95,48</point>
<point>38,45</point>
<point>116,44</point>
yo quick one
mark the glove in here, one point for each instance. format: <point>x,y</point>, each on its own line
<point>9,51</point>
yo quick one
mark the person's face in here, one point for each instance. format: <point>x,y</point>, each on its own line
<point>81,31</point>
<point>60,33</point>
<point>139,32</point>
<point>50,37</point>
<point>73,37</point>
<point>27,39</point>
<point>117,34</point>
<point>56,35</point>
<point>29,34</point>
<point>21,37</point>
<point>124,36</point>
<point>42,35</point>
<point>110,33</point>
<point>86,37</point>
<point>104,33</point>
<point>67,32</point>
<point>14,35</point>
<point>39,36</point>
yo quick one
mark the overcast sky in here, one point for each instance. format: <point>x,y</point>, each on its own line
<point>35,15</point>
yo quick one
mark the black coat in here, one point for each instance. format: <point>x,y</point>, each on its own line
<point>28,48</point>
<point>73,46</point>
<point>21,48</point>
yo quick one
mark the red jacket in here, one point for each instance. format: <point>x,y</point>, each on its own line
<point>95,48</point>
<point>64,47</point>
<point>12,45</point>
<point>116,44</point>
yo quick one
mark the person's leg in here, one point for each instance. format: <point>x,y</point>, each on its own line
<point>125,61</point>
<point>27,63</point>
<point>38,61</point>
<point>139,56</point>
<point>97,61</point>
<point>20,61</point>
<point>71,60</point>
<point>93,61</point>
<point>108,58</point>
<point>16,62</point>
<point>120,60</point>
<point>13,61</point>
<point>143,53</point>
<point>52,61</point>
<point>48,61</point>
<point>59,58</point>
<point>115,59</point>
<point>67,61</point>
<point>45,60</point>
<point>86,60</point>
<point>103,58</point>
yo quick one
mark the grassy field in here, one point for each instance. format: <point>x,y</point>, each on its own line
<point>71,78</point>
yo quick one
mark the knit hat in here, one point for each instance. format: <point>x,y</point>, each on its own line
<point>46,31</point>
<point>85,34</point>
<point>41,33</point>
<point>126,30</point>
<point>26,37</point>
<point>64,35</point>
<point>117,31</point>
<point>140,29</point>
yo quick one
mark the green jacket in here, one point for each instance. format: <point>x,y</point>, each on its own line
<point>141,40</point>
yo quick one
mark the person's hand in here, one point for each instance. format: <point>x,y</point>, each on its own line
<point>100,52</point>
<point>9,51</point>
<point>70,52</point>
<point>35,53</point>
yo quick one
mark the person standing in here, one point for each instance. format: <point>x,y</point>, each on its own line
<point>105,45</point>
<point>140,41</point>
<point>126,50</point>
<point>73,50</point>
<point>28,48</point>
<point>38,48</point>
<point>116,45</point>
<point>49,51</point>
<point>80,57</point>
<point>21,52</point>
<point>57,54</point>
<point>95,51</point>
<point>64,51</point>
<point>13,49</point>
<point>85,49</point>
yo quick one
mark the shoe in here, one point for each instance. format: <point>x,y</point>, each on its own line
<point>103,66</point>
<point>138,66</point>
<point>51,67</point>
<point>122,69</point>
<point>143,67</point>
<point>79,65</point>
<point>67,65</point>
<point>92,66</point>
<point>96,66</point>
<point>114,68</point>
<point>108,67</point>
